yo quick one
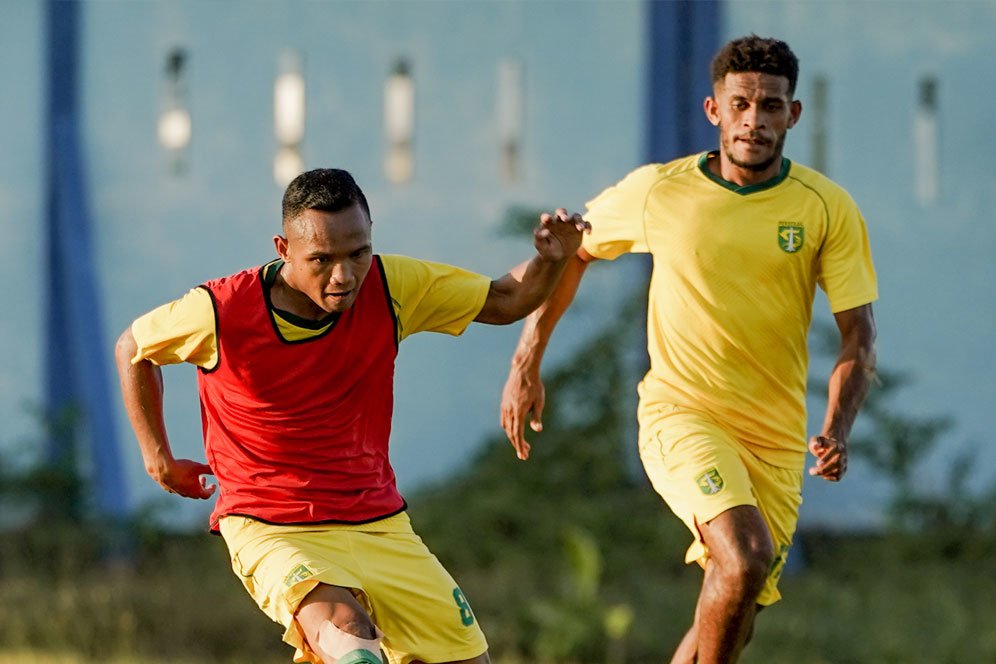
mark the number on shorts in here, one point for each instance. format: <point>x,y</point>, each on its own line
<point>466,615</point>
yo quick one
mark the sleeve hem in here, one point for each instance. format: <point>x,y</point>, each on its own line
<point>853,302</point>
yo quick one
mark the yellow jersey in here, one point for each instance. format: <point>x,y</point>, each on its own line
<point>735,271</point>
<point>426,297</point>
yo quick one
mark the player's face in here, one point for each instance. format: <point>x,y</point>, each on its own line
<point>754,112</point>
<point>327,256</point>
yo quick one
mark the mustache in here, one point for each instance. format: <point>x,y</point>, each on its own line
<point>752,136</point>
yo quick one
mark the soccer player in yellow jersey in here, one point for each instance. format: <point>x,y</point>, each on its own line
<point>296,371</point>
<point>740,239</point>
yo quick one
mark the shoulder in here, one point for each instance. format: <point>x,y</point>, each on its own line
<point>651,174</point>
<point>631,193</point>
<point>235,281</point>
<point>399,269</point>
<point>833,194</point>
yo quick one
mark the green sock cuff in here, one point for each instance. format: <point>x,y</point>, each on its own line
<point>360,656</point>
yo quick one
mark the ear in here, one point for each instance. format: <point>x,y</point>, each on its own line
<point>795,110</point>
<point>280,244</point>
<point>711,108</point>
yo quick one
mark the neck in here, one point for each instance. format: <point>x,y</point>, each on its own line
<point>285,297</point>
<point>741,176</point>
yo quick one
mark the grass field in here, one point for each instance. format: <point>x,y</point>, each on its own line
<point>856,603</point>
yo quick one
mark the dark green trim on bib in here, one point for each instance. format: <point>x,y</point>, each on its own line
<point>746,189</point>
<point>270,272</point>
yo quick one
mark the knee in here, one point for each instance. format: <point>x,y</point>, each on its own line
<point>748,568</point>
<point>357,625</point>
<point>354,641</point>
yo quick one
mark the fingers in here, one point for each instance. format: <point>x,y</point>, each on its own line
<point>831,458</point>
<point>536,421</point>
<point>207,490</point>
<point>562,216</point>
<point>512,422</point>
<point>188,479</point>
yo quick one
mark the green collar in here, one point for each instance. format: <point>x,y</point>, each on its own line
<point>746,189</point>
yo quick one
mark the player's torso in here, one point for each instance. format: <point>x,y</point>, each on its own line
<point>731,300</point>
<point>746,259</point>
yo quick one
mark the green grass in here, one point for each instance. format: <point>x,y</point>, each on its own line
<point>858,602</point>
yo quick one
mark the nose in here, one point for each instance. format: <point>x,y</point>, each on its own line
<point>341,274</point>
<point>752,118</point>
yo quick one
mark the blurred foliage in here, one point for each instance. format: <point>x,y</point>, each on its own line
<point>173,600</point>
<point>520,220</point>
<point>902,448</point>
<point>35,482</point>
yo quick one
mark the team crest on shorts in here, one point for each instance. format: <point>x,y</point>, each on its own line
<point>790,236</point>
<point>298,574</point>
<point>710,482</point>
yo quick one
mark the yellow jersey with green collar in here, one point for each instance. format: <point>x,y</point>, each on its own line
<point>735,270</point>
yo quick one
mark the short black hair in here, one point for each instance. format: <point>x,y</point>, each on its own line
<point>326,189</point>
<point>756,54</point>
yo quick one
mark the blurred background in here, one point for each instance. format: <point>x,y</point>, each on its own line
<point>145,147</point>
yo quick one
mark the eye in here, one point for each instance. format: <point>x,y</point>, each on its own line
<point>320,260</point>
<point>739,104</point>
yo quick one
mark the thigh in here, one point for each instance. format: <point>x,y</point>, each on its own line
<point>415,602</point>
<point>281,565</point>
<point>696,467</point>
<point>779,495</point>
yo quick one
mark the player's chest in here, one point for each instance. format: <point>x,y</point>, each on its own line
<point>743,233</point>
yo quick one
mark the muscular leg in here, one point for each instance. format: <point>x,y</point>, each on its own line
<point>335,604</point>
<point>338,605</point>
<point>740,556</point>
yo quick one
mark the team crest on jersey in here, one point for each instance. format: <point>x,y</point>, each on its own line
<point>710,482</point>
<point>298,574</point>
<point>790,236</point>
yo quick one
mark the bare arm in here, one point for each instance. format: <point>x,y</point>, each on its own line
<point>526,286</point>
<point>524,393</point>
<point>142,391</point>
<point>848,386</point>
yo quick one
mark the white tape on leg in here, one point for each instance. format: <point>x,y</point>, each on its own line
<point>344,648</point>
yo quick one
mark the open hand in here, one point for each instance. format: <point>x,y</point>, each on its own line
<point>522,396</point>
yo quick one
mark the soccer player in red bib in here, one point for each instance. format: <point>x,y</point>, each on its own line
<point>296,376</point>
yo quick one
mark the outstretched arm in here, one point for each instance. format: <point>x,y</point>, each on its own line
<point>528,285</point>
<point>142,390</point>
<point>524,393</point>
<point>849,383</point>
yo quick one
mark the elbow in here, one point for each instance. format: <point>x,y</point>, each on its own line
<point>501,316</point>
<point>504,307</point>
<point>125,349</point>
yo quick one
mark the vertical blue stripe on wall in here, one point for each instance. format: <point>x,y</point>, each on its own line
<point>76,356</point>
<point>684,35</point>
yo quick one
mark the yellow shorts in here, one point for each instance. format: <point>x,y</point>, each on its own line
<point>403,587</point>
<point>701,471</point>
